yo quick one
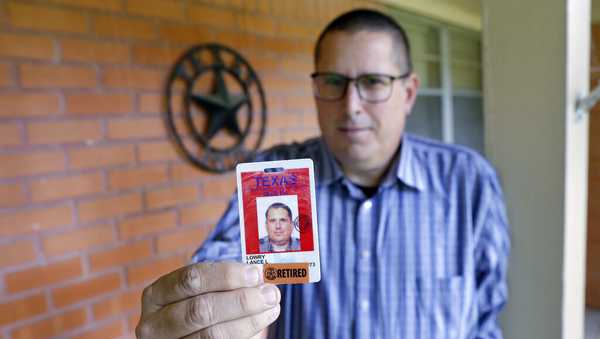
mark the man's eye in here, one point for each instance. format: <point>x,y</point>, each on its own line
<point>334,81</point>
<point>372,81</point>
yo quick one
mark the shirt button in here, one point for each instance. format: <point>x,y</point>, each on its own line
<point>365,254</point>
<point>364,305</point>
<point>368,204</point>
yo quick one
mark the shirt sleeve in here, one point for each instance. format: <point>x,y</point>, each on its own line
<point>491,258</point>
<point>224,241</point>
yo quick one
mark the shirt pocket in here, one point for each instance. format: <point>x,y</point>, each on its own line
<point>440,305</point>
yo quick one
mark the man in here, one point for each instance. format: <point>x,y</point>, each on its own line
<point>413,233</point>
<point>278,223</point>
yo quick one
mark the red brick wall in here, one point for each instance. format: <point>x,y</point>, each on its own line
<point>94,201</point>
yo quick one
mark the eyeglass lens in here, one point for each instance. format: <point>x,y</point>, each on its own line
<point>371,87</point>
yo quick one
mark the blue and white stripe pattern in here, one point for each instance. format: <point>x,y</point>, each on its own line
<point>424,258</point>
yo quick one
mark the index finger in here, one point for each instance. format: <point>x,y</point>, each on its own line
<point>198,279</point>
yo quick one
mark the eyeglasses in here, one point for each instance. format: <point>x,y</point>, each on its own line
<point>371,88</point>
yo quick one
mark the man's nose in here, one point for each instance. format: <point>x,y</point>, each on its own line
<point>352,101</point>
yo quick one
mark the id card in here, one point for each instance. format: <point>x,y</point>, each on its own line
<point>278,219</point>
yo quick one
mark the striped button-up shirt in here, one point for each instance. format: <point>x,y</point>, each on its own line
<point>424,257</point>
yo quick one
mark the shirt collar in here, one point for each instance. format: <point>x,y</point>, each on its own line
<point>409,168</point>
<point>406,167</point>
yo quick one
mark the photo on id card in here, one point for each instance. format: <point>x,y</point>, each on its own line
<point>278,219</point>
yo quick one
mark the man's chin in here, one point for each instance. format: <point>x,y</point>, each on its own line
<point>357,155</point>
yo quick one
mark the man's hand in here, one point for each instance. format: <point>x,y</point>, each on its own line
<point>208,300</point>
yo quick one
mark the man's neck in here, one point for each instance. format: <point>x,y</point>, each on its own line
<point>280,243</point>
<point>280,246</point>
<point>367,178</point>
<point>370,176</point>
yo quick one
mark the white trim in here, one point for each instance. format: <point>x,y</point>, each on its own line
<point>447,105</point>
<point>533,73</point>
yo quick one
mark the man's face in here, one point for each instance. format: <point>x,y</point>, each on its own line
<point>364,136</point>
<point>279,226</point>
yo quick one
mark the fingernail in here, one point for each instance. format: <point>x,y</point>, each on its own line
<point>274,312</point>
<point>269,293</point>
<point>252,276</point>
<point>193,278</point>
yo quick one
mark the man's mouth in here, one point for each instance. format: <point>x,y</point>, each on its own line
<point>353,129</point>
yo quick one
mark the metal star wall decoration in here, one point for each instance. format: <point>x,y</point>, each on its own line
<point>225,113</point>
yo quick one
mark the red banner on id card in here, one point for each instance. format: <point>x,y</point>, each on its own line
<point>278,218</point>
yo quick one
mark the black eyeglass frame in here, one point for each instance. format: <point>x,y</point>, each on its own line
<point>350,79</point>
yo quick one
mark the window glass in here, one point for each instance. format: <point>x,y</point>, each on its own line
<point>468,122</point>
<point>426,118</point>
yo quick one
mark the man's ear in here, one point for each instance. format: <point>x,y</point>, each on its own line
<point>411,87</point>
